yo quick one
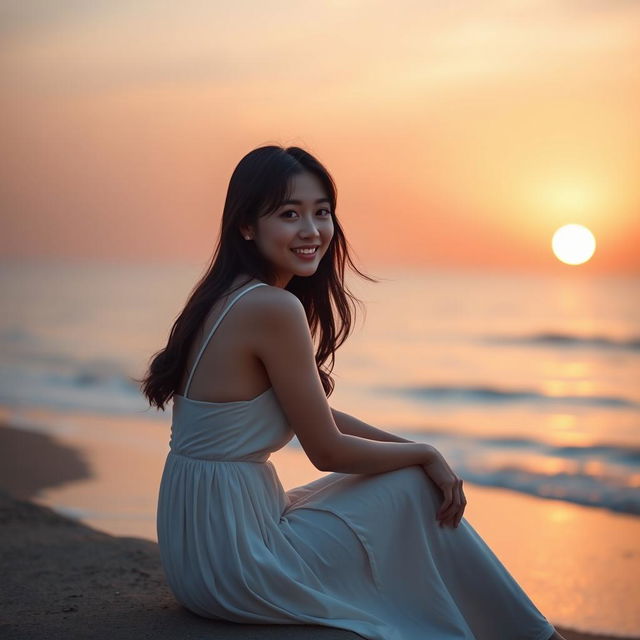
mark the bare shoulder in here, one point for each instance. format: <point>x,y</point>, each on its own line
<point>269,304</point>
<point>272,297</point>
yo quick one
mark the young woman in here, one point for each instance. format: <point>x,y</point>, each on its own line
<point>379,546</point>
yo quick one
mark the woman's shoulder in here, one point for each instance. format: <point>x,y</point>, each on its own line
<point>273,303</point>
<point>271,297</point>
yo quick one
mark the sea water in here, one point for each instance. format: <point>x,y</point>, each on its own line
<point>529,382</point>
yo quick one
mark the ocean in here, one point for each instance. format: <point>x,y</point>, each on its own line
<point>527,382</point>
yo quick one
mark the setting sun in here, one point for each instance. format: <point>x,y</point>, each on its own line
<point>573,244</point>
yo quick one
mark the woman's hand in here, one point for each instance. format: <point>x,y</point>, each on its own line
<point>453,506</point>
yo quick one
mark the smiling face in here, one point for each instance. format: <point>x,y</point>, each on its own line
<point>304,221</point>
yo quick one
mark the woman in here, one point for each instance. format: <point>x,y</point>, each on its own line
<point>379,546</point>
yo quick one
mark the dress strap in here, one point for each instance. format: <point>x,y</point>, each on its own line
<point>213,329</point>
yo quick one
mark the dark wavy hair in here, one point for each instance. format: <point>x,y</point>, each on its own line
<point>258,186</point>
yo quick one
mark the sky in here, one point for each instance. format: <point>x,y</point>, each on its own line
<point>459,134</point>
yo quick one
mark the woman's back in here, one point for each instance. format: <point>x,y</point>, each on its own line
<point>227,369</point>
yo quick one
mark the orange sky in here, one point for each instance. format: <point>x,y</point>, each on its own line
<point>459,134</point>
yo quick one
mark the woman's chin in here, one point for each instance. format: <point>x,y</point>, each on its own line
<point>305,272</point>
<point>302,269</point>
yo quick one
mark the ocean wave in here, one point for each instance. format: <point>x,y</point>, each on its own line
<point>571,487</point>
<point>600,475</point>
<point>478,394</point>
<point>569,340</point>
<point>98,386</point>
<point>619,454</point>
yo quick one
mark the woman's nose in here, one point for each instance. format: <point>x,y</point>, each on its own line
<point>309,228</point>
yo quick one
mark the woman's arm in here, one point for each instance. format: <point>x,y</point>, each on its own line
<point>283,343</point>
<point>354,427</point>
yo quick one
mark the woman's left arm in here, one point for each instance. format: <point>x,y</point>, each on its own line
<point>354,427</point>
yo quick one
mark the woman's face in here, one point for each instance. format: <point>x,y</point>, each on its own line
<point>303,221</point>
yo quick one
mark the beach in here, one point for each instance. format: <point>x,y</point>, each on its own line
<point>62,579</point>
<point>65,579</point>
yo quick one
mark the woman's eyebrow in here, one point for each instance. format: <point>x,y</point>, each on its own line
<point>300,201</point>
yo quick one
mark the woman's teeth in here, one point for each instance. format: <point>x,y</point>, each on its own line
<point>305,251</point>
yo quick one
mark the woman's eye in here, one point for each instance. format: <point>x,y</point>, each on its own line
<point>324,212</point>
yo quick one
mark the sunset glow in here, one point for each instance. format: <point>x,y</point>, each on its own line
<point>460,136</point>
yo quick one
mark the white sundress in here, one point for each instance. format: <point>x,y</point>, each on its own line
<point>352,551</point>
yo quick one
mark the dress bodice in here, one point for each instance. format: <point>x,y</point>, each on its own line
<point>246,430</point>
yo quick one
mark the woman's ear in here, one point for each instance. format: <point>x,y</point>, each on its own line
<point>246,231</point>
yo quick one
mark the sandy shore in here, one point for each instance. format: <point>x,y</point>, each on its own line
<point>63,579</point>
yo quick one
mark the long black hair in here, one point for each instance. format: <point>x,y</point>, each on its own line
<point>258,186</point>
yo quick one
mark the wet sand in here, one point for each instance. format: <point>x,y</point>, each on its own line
<point>64,579</point>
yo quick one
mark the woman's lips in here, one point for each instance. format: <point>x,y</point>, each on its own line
<point>306,256</point>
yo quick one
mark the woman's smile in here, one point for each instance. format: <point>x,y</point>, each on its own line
<point>306,253</point>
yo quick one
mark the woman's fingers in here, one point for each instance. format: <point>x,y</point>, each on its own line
<point>462,508</point>
<point>454,519</point>
<point>450,504</point>
<point>451,511</point>
<point>447,490</point>
<point>453,514</point>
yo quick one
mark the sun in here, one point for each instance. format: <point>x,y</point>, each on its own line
<point>573,244</point>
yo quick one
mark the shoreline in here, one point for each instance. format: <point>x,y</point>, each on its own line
<point>63,576</point>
